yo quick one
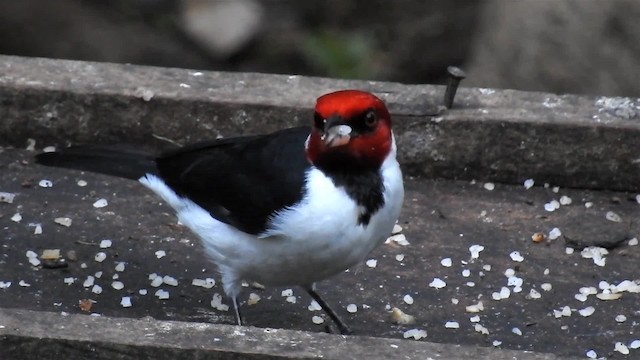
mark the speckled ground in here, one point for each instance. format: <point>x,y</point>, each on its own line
<point>441,219</point>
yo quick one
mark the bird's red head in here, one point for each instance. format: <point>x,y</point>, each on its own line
<point>350,128</point>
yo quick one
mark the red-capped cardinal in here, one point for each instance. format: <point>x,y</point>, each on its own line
<point>289,208</point>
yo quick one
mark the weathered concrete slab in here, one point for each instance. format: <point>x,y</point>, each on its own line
<point>441,219</point>
<point>504,136</point>
<point>37,335</point>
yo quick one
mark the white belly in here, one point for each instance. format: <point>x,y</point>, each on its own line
<point>313,240</point>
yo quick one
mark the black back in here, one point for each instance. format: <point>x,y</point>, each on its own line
<point>241,180</point>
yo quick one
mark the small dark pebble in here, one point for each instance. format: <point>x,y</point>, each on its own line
<point>55,264</point>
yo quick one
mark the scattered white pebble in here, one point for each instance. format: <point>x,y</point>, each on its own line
<point>105,244</point>
<point>509,272</point>
<point>96,289</point>
<point>635,344</point>
<point>591,354</point>
<point>565,200</point>
<point>317,320</point>
<point>554,233</point>
<point>100,203</point>
<point>496,343</point>
<point>408,299</point>
<point>437,283</point>
<point>470,284</point>
<point>611,216</point>
<point>400,257</point>
<point>466,272</point>
<point>609,296</point>
<point>207,283</point>
<point>481,329</point>
<point>475,251</point>
<point>516,331</point>
<point>16,217</point>
<point>162,294</point>
<point>504,293</point>
<point>452,325</point>
<point>546,286</point>
<point>553,205</point>
<point>291,299</point>
<point>397,229</point>
<point>489,186</point>
<point>100,257</point>
<point>69,280</point>
<point>5,284</point>
<point>142,291</point>
<point>534,294</point>
<point>415,333</point>
<point>314,306</point>
<point>569,250</point>
<point>33,260</point>
<point>475,308</point>
<point>528,184</point>
<point>120,267</point>
<point>286,292</point>
<point>475,319</point>
<point>546,271</point>
<point>253,299</point>
<point>596,253</point>
<point>588,311</point>
<point>621,318</point>
<point>633,242</point>
<point>588,290</point>
<point>37,229</point>
<point>156,281</point>
<point>486,267</point>
<point>446,262</point>
<point>81,183</point>
<point>588,204</point>
<point>24,283</point>
<point>45,183</point>
<point>160,254</point>
<point>125,301</point>
<point>6,197</point>
<point>372,263</point>
<point>455,301</point>
<point>515,256</point>
<point>171,281</point>
<point>352,308</point>
<point>399,239</point>
<point>118,285</point>
<point>621,348</point>
<point>63,221</point>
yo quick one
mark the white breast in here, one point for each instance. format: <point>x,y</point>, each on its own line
<point>315,239</point>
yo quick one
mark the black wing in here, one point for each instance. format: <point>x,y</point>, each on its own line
<point>240,181</point>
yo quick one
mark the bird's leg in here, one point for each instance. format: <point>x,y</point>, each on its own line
<point>344,329</point>
<point>236,307</point>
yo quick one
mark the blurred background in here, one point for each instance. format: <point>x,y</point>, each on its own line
<point>562,46</point>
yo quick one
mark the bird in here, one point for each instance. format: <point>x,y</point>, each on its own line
<point>288,208</point>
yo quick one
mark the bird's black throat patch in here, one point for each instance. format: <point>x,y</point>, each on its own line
<point>364,187</point>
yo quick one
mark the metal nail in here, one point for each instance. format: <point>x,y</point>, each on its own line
<point>455,76</point>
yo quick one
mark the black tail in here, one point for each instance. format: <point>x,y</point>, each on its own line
<point>109,160</point>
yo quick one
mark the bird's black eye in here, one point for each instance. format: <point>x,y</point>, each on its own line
<point>318,121</point>
<point>370,118</point>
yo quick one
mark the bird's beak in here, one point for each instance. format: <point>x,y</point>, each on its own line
<point>336,135</point>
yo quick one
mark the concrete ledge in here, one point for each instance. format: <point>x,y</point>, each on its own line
<point>38,335</point>
<point>502,136</point>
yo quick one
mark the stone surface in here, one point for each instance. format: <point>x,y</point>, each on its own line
<point>440,219</point>
<point>577,46</point>
<point>502,136</point>
<point>35,335</point>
